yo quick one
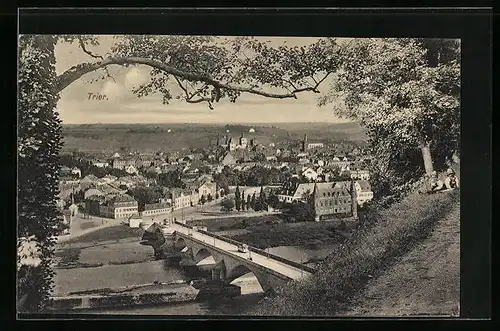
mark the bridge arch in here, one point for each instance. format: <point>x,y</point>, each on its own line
<point>233,273</point>
<point>180,244</point>
<point>202,254</point>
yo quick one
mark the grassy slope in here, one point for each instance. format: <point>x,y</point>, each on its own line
<point>372,250</point>
<point>426,281</point>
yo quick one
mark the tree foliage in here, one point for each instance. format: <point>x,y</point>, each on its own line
<point>145,195</point>
<point>406,93</point>
<point>227,204</point>
<point>209,69</point>
<point>39,142</point>
<point>237,198</point>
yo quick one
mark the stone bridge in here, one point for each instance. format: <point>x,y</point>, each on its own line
<point>271,271</point>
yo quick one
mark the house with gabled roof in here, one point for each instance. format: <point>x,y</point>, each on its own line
<point>364,192</point>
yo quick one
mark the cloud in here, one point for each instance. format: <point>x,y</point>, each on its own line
<point>135,77</point>
<point>112,90</point>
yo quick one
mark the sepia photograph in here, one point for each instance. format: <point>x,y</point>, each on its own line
<point>196,175</point>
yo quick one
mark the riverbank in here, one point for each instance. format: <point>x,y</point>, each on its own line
<point>146,295</point>
<point>126,297</point>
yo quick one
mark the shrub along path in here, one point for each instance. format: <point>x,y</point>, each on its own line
<point>377,247</point>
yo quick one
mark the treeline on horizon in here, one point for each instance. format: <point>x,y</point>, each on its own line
<point>92,137</point>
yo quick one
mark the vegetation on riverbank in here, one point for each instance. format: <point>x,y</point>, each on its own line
<point>115,232</point>
<point>236,223</point>
<point>384,235</point>
<point>272,231</point>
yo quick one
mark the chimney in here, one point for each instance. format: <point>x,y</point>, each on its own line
<point>354,201</point>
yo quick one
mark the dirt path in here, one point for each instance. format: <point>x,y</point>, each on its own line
<point>426,281</point>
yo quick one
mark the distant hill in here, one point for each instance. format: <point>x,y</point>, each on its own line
<point>153,137</point>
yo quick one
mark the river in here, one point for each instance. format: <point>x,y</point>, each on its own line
<point>241,305</point>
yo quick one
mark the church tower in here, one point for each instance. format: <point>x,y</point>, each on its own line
<point>304,143</point>
<point>243,142</point>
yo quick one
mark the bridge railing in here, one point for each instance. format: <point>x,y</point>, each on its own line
<point>253,249</point>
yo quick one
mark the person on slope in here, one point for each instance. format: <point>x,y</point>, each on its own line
<point>435,184</point>
<point>451,181</point>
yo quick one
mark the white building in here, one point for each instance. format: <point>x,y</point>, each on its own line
<point>154,209</point>
<point>134,221</point>
<point>315,145</point>
<point>300,194</point>
<point>360,174</point>
<point>121,206</point>
<point>131,169</point>
<point>364,192</point>
<point>309,173</point>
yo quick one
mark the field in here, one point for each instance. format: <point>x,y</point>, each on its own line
<point>149,137</point>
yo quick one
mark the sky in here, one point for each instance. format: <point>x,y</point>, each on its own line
<point>122,106</point>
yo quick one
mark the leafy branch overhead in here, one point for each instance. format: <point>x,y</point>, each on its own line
<point>207,69</point>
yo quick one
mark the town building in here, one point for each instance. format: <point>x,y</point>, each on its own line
<point>181,198</point>
<point>360,174</point>
<point>207,189</point>
<point>314,145</point>
<point>309,173</point>
<point>93,204</point>
<point>131,169</point>
<point>300,193</point>
<point>120,206</point>
<point>135,221</point>
<point>228,160</point>
<point>100,164</point>
<point>154,209</point>
<point>243,143</point>
<point>122,163</point>
<point>304,144</point>
<point>92,191</point>
<point>334,200</point>
<point>76,172</point>
<point>364,192</point>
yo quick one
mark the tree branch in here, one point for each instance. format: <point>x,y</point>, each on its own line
<point>84,48</point>
<point>75,72</point>
<point>189,97</point>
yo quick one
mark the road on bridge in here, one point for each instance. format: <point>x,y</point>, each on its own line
<point>231,249</point>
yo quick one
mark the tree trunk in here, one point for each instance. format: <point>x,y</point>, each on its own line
<point>426,154</point>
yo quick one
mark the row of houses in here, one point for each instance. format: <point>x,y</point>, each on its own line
<point>303,191</point>
<point>124,206</point>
